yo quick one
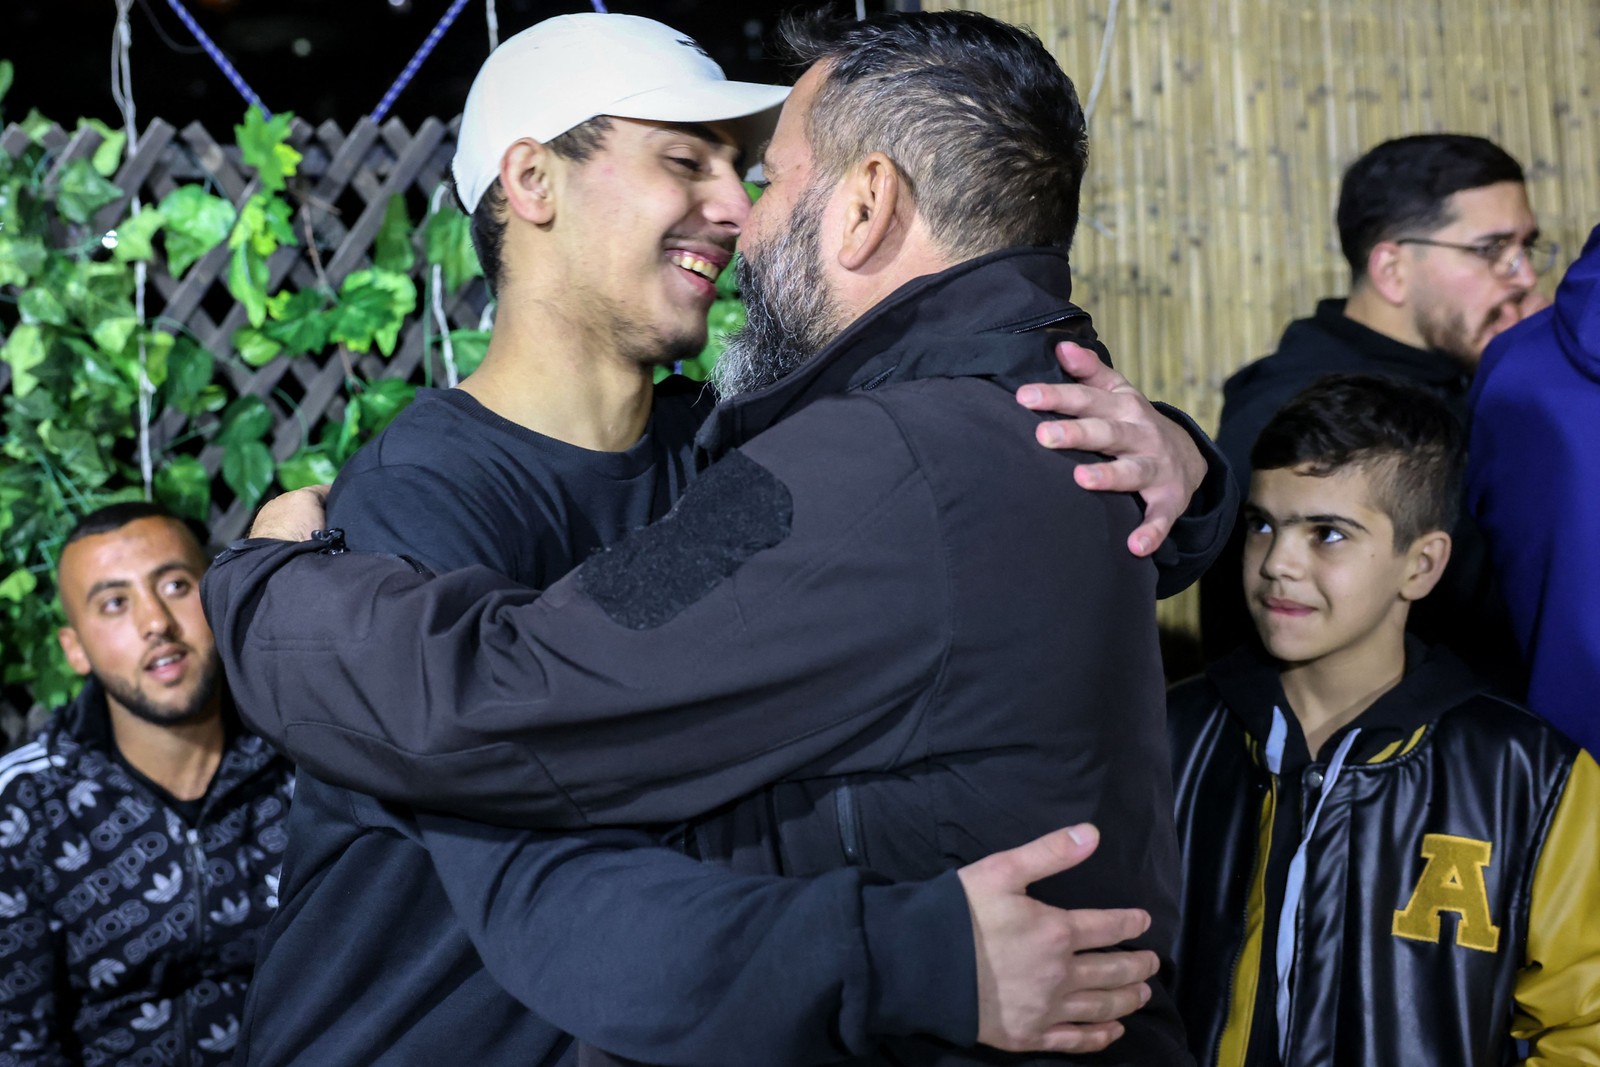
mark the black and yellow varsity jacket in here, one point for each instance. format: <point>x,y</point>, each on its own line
<point>1424,892</point>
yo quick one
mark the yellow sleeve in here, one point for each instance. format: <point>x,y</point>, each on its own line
<point>1557,991</point>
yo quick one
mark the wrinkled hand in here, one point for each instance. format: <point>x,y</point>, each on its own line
<point>1041,985</point>
<point>1151,455</point>
<point>294,515</point>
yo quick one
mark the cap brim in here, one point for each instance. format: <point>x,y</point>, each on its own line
<point>753,106</point>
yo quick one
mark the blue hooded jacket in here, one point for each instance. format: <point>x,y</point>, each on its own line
<point>1532,474</point>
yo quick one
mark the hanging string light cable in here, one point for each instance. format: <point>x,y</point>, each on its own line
<point>122,94</point>
<point>234,77</point>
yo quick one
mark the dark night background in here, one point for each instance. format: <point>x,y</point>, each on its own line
<point>321,59</point>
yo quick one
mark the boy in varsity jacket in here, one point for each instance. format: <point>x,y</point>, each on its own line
<point>1383,864</point>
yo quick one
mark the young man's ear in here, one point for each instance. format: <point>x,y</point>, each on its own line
<point>872,193</point>
<point>77,659</point>
<point>1386,272</point>
<point>525,176</point>
<point>1426,560</point>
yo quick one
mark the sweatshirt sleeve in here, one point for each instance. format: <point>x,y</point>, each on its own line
<point>785,607</point>
<point>1557,992</point>
<point>35,1024</point>
<point>1201,532</point>
<point>656,957</point>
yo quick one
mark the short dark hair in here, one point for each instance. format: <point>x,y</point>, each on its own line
<point>1406,439</point>
<point>1400,188</point>
<point>578,144</point>
<point>113,517</point>
<point>982,122</point>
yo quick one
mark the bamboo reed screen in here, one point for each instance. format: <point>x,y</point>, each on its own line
<point>1221,130</point>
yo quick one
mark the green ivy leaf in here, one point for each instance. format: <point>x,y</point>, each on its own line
<point>196,222</point>
<point>247,281</point>
<point>189,370</point>
<point>111,335</point>
<point>306,467</point>
<point>373,305</point>
<point>135,236</point>
<point>25,349</point>
<point>108,156</point>
<point>19,584</point>
<point>298,322</point>
<point>247,468</point>
<point>255,347</point>
<point>447,242</point>
<point>35,125</point>
<point>265,222</point>
<point>83,192</point>
<point>380,402</point>
<point>392,248</point>
<point>261,143</point>
<point>7,73</point>
<point>21,258</point>
<point>469,346</point>
<point>247,420</point>
<point>183,485</point>
<point>39,304</point>
<point>157,347</point>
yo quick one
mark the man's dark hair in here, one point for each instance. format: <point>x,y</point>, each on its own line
<point>982,122</point>
<point>578,144</point>
<point>115,516</point>
<point>1399,188</point>
<point>1408,442</point>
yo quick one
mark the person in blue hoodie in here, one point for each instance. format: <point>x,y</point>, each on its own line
<point>1532,469</point>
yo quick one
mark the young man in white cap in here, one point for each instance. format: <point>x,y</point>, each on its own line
<point>599,157</point>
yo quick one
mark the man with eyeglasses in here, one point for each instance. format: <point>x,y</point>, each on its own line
<point>1444,252</point>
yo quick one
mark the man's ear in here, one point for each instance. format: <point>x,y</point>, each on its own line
<point>872,193</point>
<point>1426,560</point>
<point>1387,273</point>
<point>525,176</point>
<point>77,659</point>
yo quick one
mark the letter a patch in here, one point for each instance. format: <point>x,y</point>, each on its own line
<point>1452,881</point>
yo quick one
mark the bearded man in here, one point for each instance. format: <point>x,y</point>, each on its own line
<point>882,630</point>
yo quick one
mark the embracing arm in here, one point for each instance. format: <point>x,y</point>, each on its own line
<point>785,971</point>
<point>685,667</point>
<point>1157,451</point>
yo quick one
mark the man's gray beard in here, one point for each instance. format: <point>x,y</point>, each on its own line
<point>790,315</point>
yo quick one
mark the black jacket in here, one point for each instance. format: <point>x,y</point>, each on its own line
<point>128,935</point>
<point>1449,882</point>
<point>882,596</point>
<point>1467,612</point>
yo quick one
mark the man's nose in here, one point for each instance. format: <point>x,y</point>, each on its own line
<point>155,620</point>
<point>727,205</point>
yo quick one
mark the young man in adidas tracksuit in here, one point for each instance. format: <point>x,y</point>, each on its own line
<point>142,831</point>
<point>1382,863</point>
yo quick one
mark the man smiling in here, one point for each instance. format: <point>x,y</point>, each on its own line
<point>952,630</point>
<point>599,159</point>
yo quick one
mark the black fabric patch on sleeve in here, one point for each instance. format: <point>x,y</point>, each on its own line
<point>731,512</point>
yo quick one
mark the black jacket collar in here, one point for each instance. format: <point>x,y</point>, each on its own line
<point>974,320</point>
<point>81,730</point>
<point>1330,325</point>
<point>1435,681</point>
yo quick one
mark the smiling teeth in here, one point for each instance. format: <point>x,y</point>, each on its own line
<point>705,268</point>
<point>163,661</point>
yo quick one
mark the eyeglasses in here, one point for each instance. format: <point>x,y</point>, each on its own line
<point>1539,255</point>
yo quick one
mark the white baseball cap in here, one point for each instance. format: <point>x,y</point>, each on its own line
<point>569,69</point>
